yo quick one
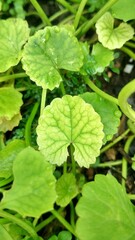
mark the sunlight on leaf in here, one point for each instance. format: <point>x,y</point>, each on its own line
<point>105,210</point>
<point>112,37</point>
<point>108,111</point>
<point>10,103</point>
<point>4,235</point>
<point>47,52</point>
<point>14,32</point>
<point>66,189</point>
<point>70,120</point>
<point>124,10</point>
<point>7,156</point>
<point>33,189</point>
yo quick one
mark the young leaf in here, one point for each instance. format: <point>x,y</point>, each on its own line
<point>102,56</point>
<point>4,234</point>
<point>32,192</point>
<point>48,51</point>
<point>14,32</point>
<point>7,156</point>
<point>10,103</point>
<point>124,10</point>
<point>64,235</point>
<point>112,37</point>
<point>105,210</point>
<point>70,121</point>
<point>108,111</point>
<point>66,189</point>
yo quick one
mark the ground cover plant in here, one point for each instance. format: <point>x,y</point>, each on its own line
<point>67,155</point>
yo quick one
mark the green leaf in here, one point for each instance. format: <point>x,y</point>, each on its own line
<point>64,235</point>
<point>7,156</point>
<point>66,189</point>
<point>102,56</point>
<point>105,211</point>
<point>14,32</point>
<point>124,10</point>
<point>47,52</point>
<point>33,190</point>
<point>112,37</point>
<point>70,121</point>
<point>10,103</point>
<point>4,234</point>
<point>108,111</point>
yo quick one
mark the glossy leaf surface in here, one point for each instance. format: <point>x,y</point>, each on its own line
<point>47,52</point>
<point>105,210</point>
<point>4,234</point>
<point>66,189</point>
<point>14,32</point>
<point>7,156</point>
<point>32,192</point>
<point>70,121</point>
<point>10,103</point>
<point>112,37</point>
<point>108,111</point>
<point>124,10</point>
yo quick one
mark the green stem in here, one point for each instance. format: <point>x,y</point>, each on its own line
<point>128,52</point>
<point>12,76</point>
<point>43,100</point>
<point>64,167</point>
<point>131,196</point>
<point>124,161</point>
<point>21,223</point>
<point>99,91</point>
<point>118,139</point>
<point>130,44</point>
<point>2,145</point>
<point>62,88</point>
<point>72,159</point>
<point>86,26</point>
<point>72,214</point>
<point>67,6</point>
<point>79,13</point>
<point>123,96</point>
<point>6,181</point>
<point>110,164</point>
<point>41,13</point>
<point>64,222</point>
<point>58,14</point>
<point>29,123</point>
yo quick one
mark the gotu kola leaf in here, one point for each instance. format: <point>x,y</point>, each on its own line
<point>105,210</point>
<point>10,103</point>
<point>66,189</point>
<point>33,192</point>
<point>108,111</point>
<point>4,234</point>
<point>48,51</point>
<point>112,37</point>
<point>70,121</point>
<point>124,10</point>
<point>14,32</point>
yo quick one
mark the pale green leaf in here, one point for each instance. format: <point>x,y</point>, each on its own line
<point>47,52</point>
<point>4,235</point>
<point>14,32</point>
<point>33,190</point>
<point>105,211</point>
<point>108,111</point>
<point>124,10</point>
<point>70,121</point>
<point>102,56</point>
<point>7,156</point>
<point>10,103</point>
<point>66,189</point>
<point>112,37</point>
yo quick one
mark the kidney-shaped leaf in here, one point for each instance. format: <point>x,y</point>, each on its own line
<point>108,111</point>
<point>124,10</point>
<point>10,103</point>
<point>66,189</point>
<point>7,156</point>
<point>14,32</point>
<point>48,51</point>
<point>70,121</point>
<point>105,211</point>
<point>33,189</point>
<point>112,37</point>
